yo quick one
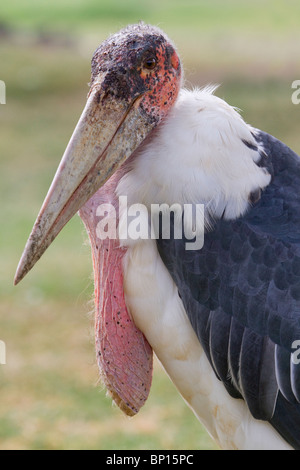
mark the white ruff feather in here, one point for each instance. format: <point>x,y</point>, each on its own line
<point>196,156</point>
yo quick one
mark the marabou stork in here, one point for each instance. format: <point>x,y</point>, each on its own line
<point>223,318</point>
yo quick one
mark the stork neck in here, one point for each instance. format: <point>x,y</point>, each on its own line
<point>202,153</point>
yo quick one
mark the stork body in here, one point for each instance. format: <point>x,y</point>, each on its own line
<point>221,319</point>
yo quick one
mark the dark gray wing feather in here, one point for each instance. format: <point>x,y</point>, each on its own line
<point>241,292</point>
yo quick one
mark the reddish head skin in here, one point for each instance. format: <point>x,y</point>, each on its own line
<point>139,61</point>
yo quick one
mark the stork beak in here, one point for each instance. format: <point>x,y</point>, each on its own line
<point>104,138</point>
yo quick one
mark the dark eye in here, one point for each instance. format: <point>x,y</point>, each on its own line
<point>150,63</point>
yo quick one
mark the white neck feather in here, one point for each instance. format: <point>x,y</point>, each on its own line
<point>197,156</point>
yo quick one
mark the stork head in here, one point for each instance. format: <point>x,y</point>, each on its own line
<point>139,63</point>
<point>136,77</point>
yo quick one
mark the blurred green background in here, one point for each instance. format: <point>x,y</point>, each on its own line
<point>50,397</point>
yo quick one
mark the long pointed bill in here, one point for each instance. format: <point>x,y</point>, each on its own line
<point>108,132</point>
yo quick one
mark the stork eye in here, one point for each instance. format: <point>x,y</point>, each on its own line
<point>150,63</point>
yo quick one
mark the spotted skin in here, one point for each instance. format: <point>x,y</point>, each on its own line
<point>124,57</point>
<point>124,356</point>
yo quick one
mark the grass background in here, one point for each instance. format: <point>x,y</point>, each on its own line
<point>50,397</point>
